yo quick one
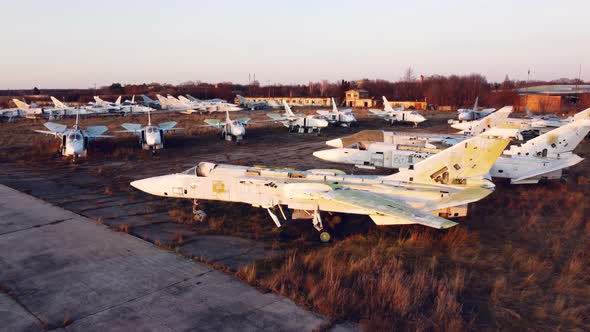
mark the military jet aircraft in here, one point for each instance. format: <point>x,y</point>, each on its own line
<point>299,123</point>
<point>437,187</point>
<point>543,157</point>
<point>344,118</point>
<point>253,105</point>
<point>22,109</point>
<point>150,136</point>
<point>74,141</point>
<point>230,129</point>
<point>398,115</point>
<point>466,114</point>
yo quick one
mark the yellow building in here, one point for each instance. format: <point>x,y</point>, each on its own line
<point>409,105</point>
<point>359,98</point>
<point>292,101</point>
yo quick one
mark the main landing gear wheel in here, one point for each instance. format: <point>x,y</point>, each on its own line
<point>325,236</point>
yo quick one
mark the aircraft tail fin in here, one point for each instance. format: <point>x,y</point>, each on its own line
<point>472,158</point>
<point>585,114</point>
<point>20,104</point>
<point>493,120</point>
<point>559,140</point>
<point>334,107</point>
<point>147,99</point>
<point>288,110</point>
<point>57,103</point>
<point>191,98</point>
<point>118,101</point>
<point>475,104</point>
<point>387,105</point>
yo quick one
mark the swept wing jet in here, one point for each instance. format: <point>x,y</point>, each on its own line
<point>74,141</point>
<point>230,129</point>
<point>253,105</point>
<point>544,157</point>
<point>150,136</point>
<point>344,118</point>
<point>209,106</point>
<point>465,114</point>
<point>437,187</point>
<point>22,109</point>
<point>398,115</point>
<point>299,123</point>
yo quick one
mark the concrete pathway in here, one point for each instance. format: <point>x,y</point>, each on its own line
<point>61,270</point>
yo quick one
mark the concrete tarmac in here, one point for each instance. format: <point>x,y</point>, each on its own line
<point>59,270</point>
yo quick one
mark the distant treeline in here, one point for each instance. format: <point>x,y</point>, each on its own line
<point>454,90</point>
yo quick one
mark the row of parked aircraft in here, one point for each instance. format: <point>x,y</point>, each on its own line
<point>432,184</point>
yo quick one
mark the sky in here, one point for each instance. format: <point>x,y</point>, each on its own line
<point>77,44</point>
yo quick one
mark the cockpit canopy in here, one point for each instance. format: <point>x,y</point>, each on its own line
<point>75,137</point>
<point>203,169</point>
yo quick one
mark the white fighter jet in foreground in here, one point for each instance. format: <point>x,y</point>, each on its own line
<point>398,115</point>
<point>150,136</point>
<point>344,118</point>
<point>74,141</point>
<point>230,129</point>
<point>438,187</point>
<point>466,114</point>
<point>299,123</point>
<point>544,157</point>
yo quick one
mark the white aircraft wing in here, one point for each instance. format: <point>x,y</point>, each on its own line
<point>377,112</point>
<point>47,132</point>
<point>556,164</point>
<point>97,131</point>
<point>55,128</point>
<point>213,123</point>
<point>168,126</point>
<point>385,210</point>
<point>276,116</point>
<point>131,127</point>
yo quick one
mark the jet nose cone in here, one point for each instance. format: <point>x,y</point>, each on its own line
<point>329,155</point>
<point>335,143</point>
<point>323,123</point>
<point>151,186</point>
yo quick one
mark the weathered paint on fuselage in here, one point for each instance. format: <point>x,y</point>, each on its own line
<point>269,187</point>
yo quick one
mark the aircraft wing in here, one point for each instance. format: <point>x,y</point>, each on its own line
<point>97,131</point>
<point>213,123</point>
<point>131,127</point>
<point>55,128</point>
<point>377,113</point>
<point>385,210</point>
<point>555,165</point>
<point>276,116</point>
<point>243,120</point>
<point>47,132</point>
<point>167,126</point>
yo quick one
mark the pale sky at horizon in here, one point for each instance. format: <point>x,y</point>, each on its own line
<point>75,44</point>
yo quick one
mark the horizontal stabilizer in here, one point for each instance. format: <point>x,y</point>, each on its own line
<point>55,127</point>
<point>213,122</point>
<point>243,121</point>
<point>96,131</point>
<point>131,126</point>
<point>168,125</point>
